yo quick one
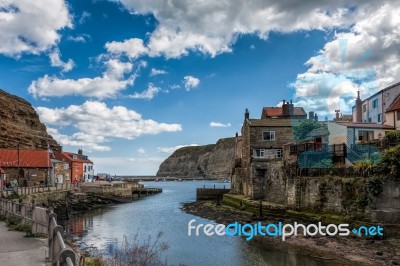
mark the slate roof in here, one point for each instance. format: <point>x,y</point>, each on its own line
<point>395,105</point>
<point>364,125</point>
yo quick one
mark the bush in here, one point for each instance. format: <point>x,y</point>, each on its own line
<point>390,162</point>
<point>392,137</point>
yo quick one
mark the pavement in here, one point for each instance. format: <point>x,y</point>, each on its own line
<point>18,250</point>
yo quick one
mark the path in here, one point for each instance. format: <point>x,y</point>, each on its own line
<point>18,250</point>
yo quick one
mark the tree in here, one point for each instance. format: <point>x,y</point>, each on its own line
<point>306,126</point>
<point>390,162</point>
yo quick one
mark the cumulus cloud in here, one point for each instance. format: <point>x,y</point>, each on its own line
<point>211,27</point>
<point>31,26</point>
<point>84,16</point>
<point>172,149</point>
<point>96,123</point>
<point>108,85</point>
<point>132,48</point>
<point>364,59</point>
<point>218,124</point>
<point>56,61</point>
<point>191,82</point>
<point>148,94</point>
<point>155,72</point>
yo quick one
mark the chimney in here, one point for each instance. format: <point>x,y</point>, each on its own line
<point>246,114</point>
<point>337,115</point>
<point>237,135</point>
<point>285,109</point>
<point>80,152</point>
<point>316,118</point>
<point>358,109</point>
<point>311,115</point>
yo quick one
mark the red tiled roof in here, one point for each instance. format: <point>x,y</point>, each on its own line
<point>277,111</point>
<point>27,158</point>
<point>395,105</point>
<point>70,155</point>
<point>364,125</point>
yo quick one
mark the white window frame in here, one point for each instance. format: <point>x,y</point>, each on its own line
<point>261,151</point>
<point>278,153</point>
<point>271,134</point>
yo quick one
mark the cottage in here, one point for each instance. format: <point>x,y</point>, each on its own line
<point>261,146</point>
<point>81,168</point>
<point>28,167</point>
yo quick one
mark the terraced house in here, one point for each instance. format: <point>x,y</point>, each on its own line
<point>79,164</point>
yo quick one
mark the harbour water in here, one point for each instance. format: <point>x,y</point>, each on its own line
<point>103,228</point>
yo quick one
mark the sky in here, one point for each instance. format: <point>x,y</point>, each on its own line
<point>130,81</point>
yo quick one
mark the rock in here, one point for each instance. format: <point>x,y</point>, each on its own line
<point>20,123</point>
<point>379,253</point>
<point>208,161</point>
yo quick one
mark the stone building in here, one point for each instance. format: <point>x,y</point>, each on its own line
<point>261,147</point>
<point>28,167</point>
<point>61,171</point>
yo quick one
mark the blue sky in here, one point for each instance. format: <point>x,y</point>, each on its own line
<point>129,81</point>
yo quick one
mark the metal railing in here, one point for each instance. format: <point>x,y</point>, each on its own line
<point>59,253</point>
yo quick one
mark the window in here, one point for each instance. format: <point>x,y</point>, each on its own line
<point>369,120</point>
<point>268,135</point>
<point>278,153</point>
<point>375,103</point>
<point>379,117</point>
<point>364,108</point>
<point>398,115</point>
<point>74,157</point>
<point>259,153</point>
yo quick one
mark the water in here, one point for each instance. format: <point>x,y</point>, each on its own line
<point>103,228</point>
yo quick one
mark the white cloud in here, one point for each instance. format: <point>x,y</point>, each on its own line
<point>364,58</point>
<point>56,61</point>
<point>87,142</point>
<point>148,94</point>
<point>141,151</point>
<point>218,124</point>
<point>191,82</point>
<point>133,48</point>
<point>211,27</point>
<point>84,16</point>
<point>79,38</point>
<point>108,85</point>
<point>96,123</point>
<point>31,26</point>
<point>155,72</point>
<point>172,149</point>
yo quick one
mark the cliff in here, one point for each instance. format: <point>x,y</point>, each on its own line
<point>209,161</point>
<point>19,123</point>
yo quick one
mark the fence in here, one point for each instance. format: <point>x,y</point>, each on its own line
<point>35,189</point>
<point>42,221</point>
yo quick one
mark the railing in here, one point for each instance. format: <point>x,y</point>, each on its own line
<point>59,253</point>
<point>335,149</point>
<point>42,221</point>
<point>35,189</point>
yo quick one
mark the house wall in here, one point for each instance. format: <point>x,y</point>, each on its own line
<point>62,172</point>
<point>385,98</point>
<point>393,120</point>
<point>338,133</point>
<point>89,173</point>
<point>31,176</point>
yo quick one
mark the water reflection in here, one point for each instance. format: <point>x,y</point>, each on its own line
<point>103,228</point>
